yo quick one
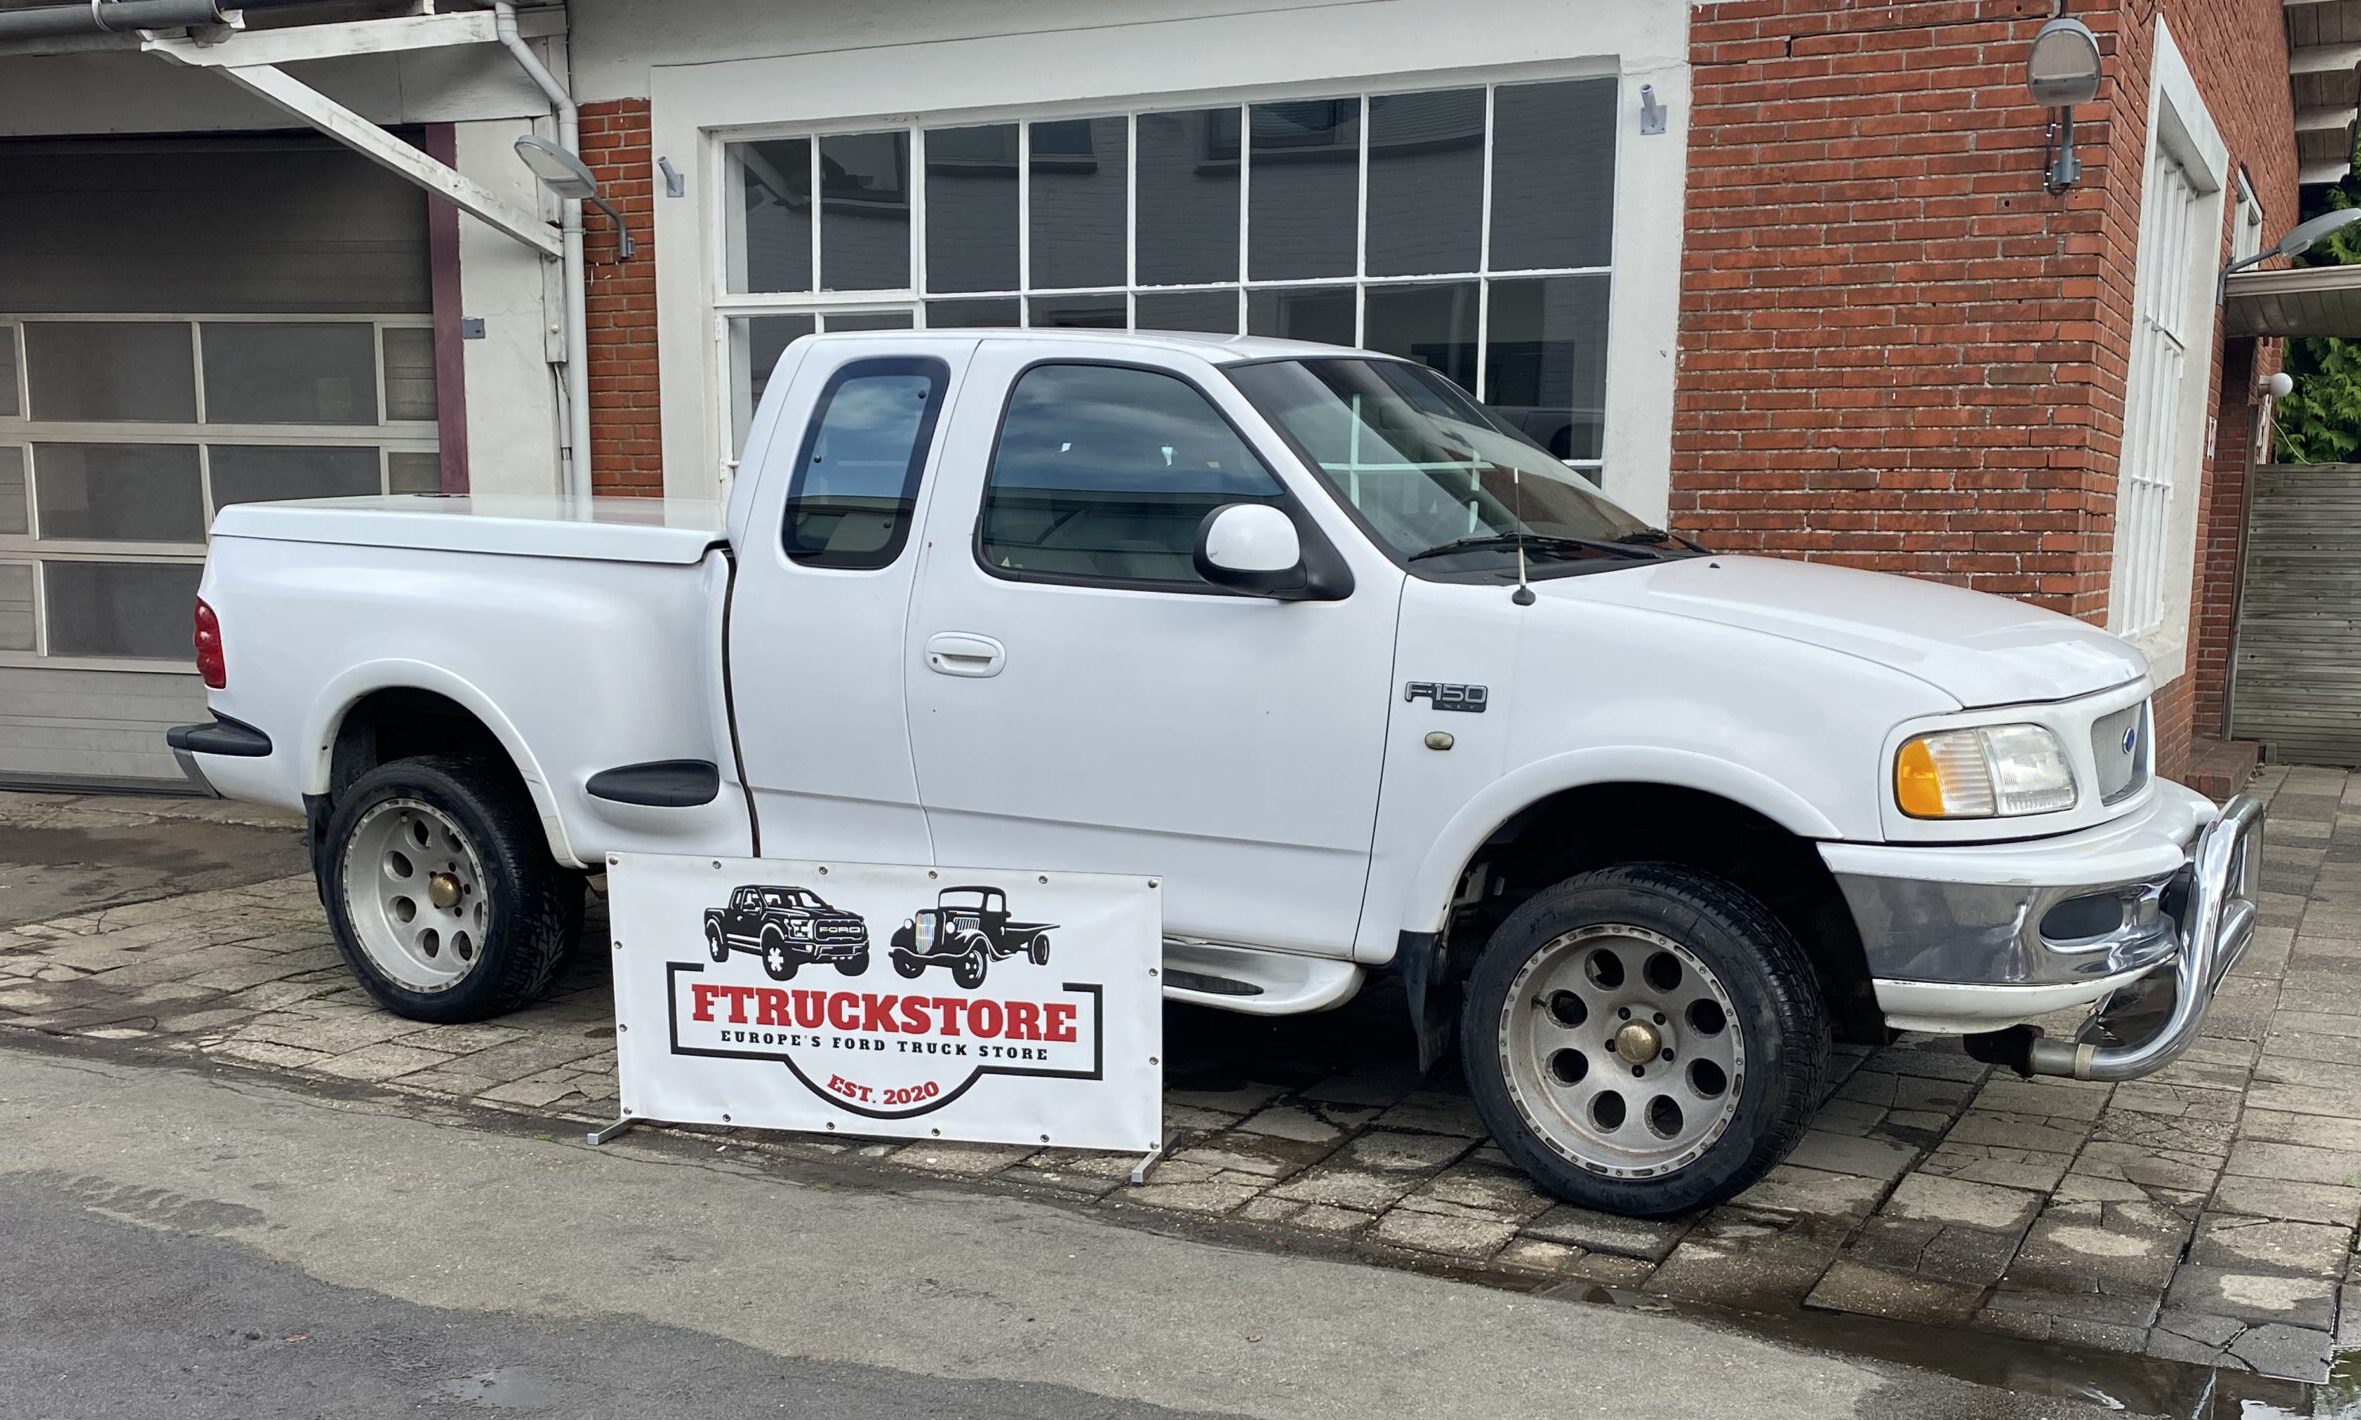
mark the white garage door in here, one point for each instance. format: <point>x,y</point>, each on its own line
<point>184,324</point>
<point>2298,686</point>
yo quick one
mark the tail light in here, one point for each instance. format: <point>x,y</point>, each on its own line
<point>208,640</point>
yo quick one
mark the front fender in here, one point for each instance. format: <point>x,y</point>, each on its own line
<point>341,694</point>
<point>1429,896</point>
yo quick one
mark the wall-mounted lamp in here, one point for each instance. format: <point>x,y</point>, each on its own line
<point>2277,385</point>
<point>2062,71</point>
<point>2300,238</point>
<point>571,179</point>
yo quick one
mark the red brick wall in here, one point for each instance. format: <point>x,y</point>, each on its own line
<point>626,429</point>
<point>1897,350</point>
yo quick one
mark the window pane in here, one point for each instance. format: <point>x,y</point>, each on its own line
<point>1306,191</point>
<point>1096,312</point>
<point>1187,223</point>
<point>1553,174</point>
<point>1426,181</point>
<point>1546,365</point>
<point>871,320</point>
<point>413,473</point>
<point>971,208</point>
<point>409,373</point>
<point>1215,311</point>
<point>119,492</point>
<point>1322,313</point>
<point>1000,310</point>
<point>266,473</point>
<point>137,609</point>
<point>1106,473</point>
<point>12,490</point>
<point>264,373</point>
<point>1435,325</point>
<point>775,253</point>
<point>856,478</point>
<point>755,345</point>
<point>16,606</point>
<point>1079,168</point>
<point>865,211</point>
<point>8,401</point>
<point>92,371</point>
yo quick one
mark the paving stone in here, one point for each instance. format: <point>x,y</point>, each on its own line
<point>1345,1185</point>
<point>1743,1261</point>
<point>2241,1243</point>
<point>1428,1112</point>
<point>1208,1198</point>
<point>2293,1353</point>
<point>2150,1167</point>
<point>382,1061</point>
<point>1236,1103</point>
<point>1264,1155</point>
<point>1989,1163</point>
<point>1462,1235</point>
<point>1286,1121</point>
<point>1847,1117</point>
<point>1270,1210</point>
<point>1601,1269</point>
<point>2203,1328</point>
<point>2017,1131</point>
<point>1378,1149</point>
<point>2070,1331</point>
<point>957,1157</point>
<point>1940,1062</point>
<point>1789,1189</point>
<point>1885,1087</point>
<point>2296,1163</point>
<point>1648,1238</point>
<point>1534,1255</point>
<point>1865,1158</point>
<point>2256,1297</point>
<point>2296,1202</point>
<point>263,1052</point>
<point>2053,1099</point>
<point>1501,1192</point>
<point>2173,1101</point>
<point>2134,1309</point>
<point>2165,1133</point>
<point>1323,1218</point>
<point>1872,1291</point>
<point>2074,1247</point>
<point>1951,1200</point>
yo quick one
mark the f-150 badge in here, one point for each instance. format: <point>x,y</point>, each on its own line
<point>1468,698</point>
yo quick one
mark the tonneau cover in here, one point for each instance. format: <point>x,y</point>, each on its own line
<point>664,530</point>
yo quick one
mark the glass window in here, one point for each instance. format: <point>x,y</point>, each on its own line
<point>413,473</point>
<point>409,373</point>
<point>87,372</point>
<point>771,249</point>
<point>1553,174</point>
<point>259,372</point>
<point>119,492</point>
<point>856,477</point>
<point>9,407</point>
<point>990,311</point>
<point>1434,325</point>
<point>1100,311</point>
<point>12,490</point>
<point>971,208</point>
<point>1304,209</point>
<point>1214,311</point>
<point>1546,363</point>
<point>865,211</point>
<point>16,606</point>
<point>1186,230</point>
<point>868,320</point>
<point>1078,171</point>
<point>1322,313</point>
<point>138,610</point>
<point>756,342</point>
<point>1426,182</point>
<point>1105,473</point>
<point>268,473</point>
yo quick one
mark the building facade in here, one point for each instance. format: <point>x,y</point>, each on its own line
<point>1784,272</point>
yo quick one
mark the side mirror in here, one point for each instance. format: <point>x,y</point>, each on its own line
<point>1254,548</point>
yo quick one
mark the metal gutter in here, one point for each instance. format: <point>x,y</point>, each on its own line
<point>101,17</point>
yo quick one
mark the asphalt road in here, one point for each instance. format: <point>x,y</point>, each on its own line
<point>185,1244</point>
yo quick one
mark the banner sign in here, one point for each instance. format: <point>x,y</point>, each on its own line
<point>920,1003</point>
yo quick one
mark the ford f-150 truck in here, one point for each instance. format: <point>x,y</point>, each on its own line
<point>1365,677</point>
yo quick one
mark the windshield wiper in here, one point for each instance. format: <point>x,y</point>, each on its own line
<point>1657,537</point>
<point>1532,542</point>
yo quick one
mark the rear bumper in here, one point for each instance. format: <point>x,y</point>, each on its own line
<point>1970,940</point>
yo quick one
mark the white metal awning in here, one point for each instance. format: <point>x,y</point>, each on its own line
<point>2310,300</point>
<point>2324,78</point>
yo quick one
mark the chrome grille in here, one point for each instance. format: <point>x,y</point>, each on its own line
<point>2121,771</point>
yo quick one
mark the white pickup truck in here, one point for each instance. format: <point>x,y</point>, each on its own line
<point>1369,680</point>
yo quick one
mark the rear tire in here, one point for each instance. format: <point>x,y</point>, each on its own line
<point>1644,1039</point>
<point>1038,950</point>
<point>413,832</point>
<point>716,946</point>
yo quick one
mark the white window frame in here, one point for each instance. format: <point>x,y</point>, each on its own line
<point>21,431</point>
<point>728,307</point>
<point>2170,376</point>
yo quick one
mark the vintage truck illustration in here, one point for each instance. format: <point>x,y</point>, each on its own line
<point>787,926</point>
<point>966,930</point>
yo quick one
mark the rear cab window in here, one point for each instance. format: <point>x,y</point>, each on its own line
<point>856,474</point>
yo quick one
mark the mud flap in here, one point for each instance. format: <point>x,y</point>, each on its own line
<point>1433,995</point>
<point>316,811</point>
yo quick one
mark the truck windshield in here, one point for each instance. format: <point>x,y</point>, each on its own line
<point>791,897</point>
<point>1437,477</point>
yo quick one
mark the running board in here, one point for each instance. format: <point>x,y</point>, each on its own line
<point>1255,983</point>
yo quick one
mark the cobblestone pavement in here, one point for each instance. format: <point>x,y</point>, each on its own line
<point>2206,1214</point>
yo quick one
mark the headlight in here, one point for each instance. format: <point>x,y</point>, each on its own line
<point>1993,771</point>
<point>799,927</point>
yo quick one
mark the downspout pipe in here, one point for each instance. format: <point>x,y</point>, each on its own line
<point>569,137</point>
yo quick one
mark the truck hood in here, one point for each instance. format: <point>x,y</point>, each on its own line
<point>1981,649</point>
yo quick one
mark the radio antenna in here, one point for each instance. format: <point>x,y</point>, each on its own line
<point>1523,595</point>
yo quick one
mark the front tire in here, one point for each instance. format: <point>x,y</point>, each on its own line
<point>910,967</point>
<point>854,966</point>
<point>1644,1039</point>
<point>441,892</point>
<point>968,971</point>
<point>778,963</point>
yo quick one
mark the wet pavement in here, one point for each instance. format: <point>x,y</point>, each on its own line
<point>2202,1218</point>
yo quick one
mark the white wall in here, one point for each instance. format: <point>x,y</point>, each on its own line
<point>908,61</point>
<point>512,410</point>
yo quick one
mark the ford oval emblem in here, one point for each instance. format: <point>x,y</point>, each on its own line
<point>2131,739</point>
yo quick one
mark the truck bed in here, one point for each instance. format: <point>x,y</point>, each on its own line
<point>661,530</point>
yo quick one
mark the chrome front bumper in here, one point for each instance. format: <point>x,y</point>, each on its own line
<point>1977,940</point>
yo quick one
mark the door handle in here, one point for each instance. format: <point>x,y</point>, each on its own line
<point>959,653</point>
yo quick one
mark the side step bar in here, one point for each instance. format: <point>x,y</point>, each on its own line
<point>1255,983</point>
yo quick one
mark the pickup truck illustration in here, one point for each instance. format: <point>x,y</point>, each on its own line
<point>787,926</point>
<point>966,930</point>
<point>1363,677</point>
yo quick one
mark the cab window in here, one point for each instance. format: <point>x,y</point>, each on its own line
<point>856,477</point>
